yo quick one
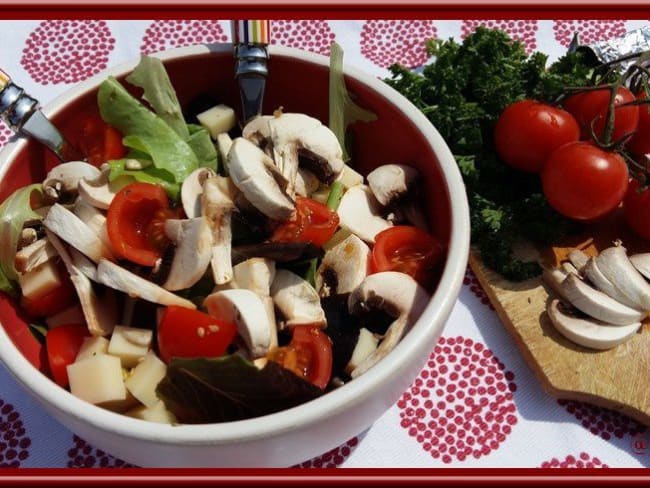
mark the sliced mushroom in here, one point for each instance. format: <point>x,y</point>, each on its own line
<point>349,177</point>
<point>31,256</point>
<point>193,241</point>
<point>192,189</point>
<point>100,314</point>
<point>554,277</point>
<point>366,344</point>
<point>398,295</point>
<point>394,185</point>
<point>617,268</point>
<point>297,300</point>
<point>596,277</point>
<point>224,142</point>
<point>596,304</point>
<point>578,259</point>
<point>587,332</point>
<point>217,206</point>
<point>75,232</point>
<point>642,263</point>
<point>249,169</point>
<point>343,267</point>
<point>99,192</point>
<point>118,278</point>
<point>246,310</point>
<point>257,130</point>
<point>27,236</point>
<point>359,213</point>
<point>64,178</point>
<point>300,139</point>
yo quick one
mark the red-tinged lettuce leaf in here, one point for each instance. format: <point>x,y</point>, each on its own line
<point>230,388</point>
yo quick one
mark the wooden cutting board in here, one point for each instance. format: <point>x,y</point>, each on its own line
<point>618,379</point>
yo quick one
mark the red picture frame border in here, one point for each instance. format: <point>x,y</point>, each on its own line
<point>334,10</point>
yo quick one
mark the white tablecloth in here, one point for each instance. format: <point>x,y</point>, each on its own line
<point>476,404</point>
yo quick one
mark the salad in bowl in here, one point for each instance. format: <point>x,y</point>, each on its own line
<point>182,268</point>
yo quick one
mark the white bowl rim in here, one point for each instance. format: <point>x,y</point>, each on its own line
<point>321,408</point>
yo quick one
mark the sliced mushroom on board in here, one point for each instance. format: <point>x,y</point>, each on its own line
<point>587,332</point>
<point>617,268</point>
<point>398,295</point>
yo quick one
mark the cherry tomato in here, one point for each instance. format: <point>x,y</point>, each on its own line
<point>408,250</point>
<point>590,110</point>
<point>135,221</point>
<point>639,144</point>
<point>527,132</point>
<point>100,141</point>
<point>636,209</point>
<point>54,301</point>
<point>63,344</point>
<point>584,182</point>
<point>308,355</point>
<point>314,222</point>
<point>187,333</point>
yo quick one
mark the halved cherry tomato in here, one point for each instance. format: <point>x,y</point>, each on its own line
<point>590,110</point>
<point>636,209</point>
<point>101,142</point>
<point>408,250</point>
<point>528,131</point>
<point>63,344</point>
<point>54,301</point>
<point>314,222</point>
<point>134,222</point>
<point>308,355</point>
<point>583,181</point>
<point>187,333</point>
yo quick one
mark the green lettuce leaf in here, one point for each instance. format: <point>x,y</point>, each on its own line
<point>151,76</point>
<point>342,110</point>
<point>14,212</point>
<point>200,142</point>
<point>144,131</point>
<point>150,174</point>
<point>230,388</point>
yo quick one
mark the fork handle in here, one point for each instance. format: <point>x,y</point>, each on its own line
<point>251,31</point>
<point>16,106</point>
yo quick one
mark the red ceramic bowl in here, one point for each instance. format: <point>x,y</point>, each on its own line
<point>298,82</point>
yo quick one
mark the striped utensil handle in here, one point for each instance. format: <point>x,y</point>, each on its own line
<point>251,31</point>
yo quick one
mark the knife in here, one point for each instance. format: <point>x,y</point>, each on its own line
<point>23,115</point>
<point>250,40</point>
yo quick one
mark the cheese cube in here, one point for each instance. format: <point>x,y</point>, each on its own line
<point>157,413</point>
<point>218,119</point>
<point>40,281</point>
<point>97,379</point>
<point>130,344</point>
<point>144,379</point>
<point>91,346</point>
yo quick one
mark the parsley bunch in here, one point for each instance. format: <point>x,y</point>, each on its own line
<point>463,92</point>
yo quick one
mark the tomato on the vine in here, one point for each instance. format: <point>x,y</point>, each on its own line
<point>590,110</point>
<point>639,144</point>
<point>527,132</point>
<point>636,209</point>
<point>584,182</point>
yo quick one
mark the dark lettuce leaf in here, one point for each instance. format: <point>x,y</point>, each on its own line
<point>343,329</point>
<point>230,388</point>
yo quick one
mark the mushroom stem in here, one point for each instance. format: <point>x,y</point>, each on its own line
<point>217,204</point>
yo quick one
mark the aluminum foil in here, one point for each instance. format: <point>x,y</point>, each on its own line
<point>632,42</point>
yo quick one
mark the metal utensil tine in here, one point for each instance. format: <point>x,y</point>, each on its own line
<point>250,39</point>
<point>23,115</point>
